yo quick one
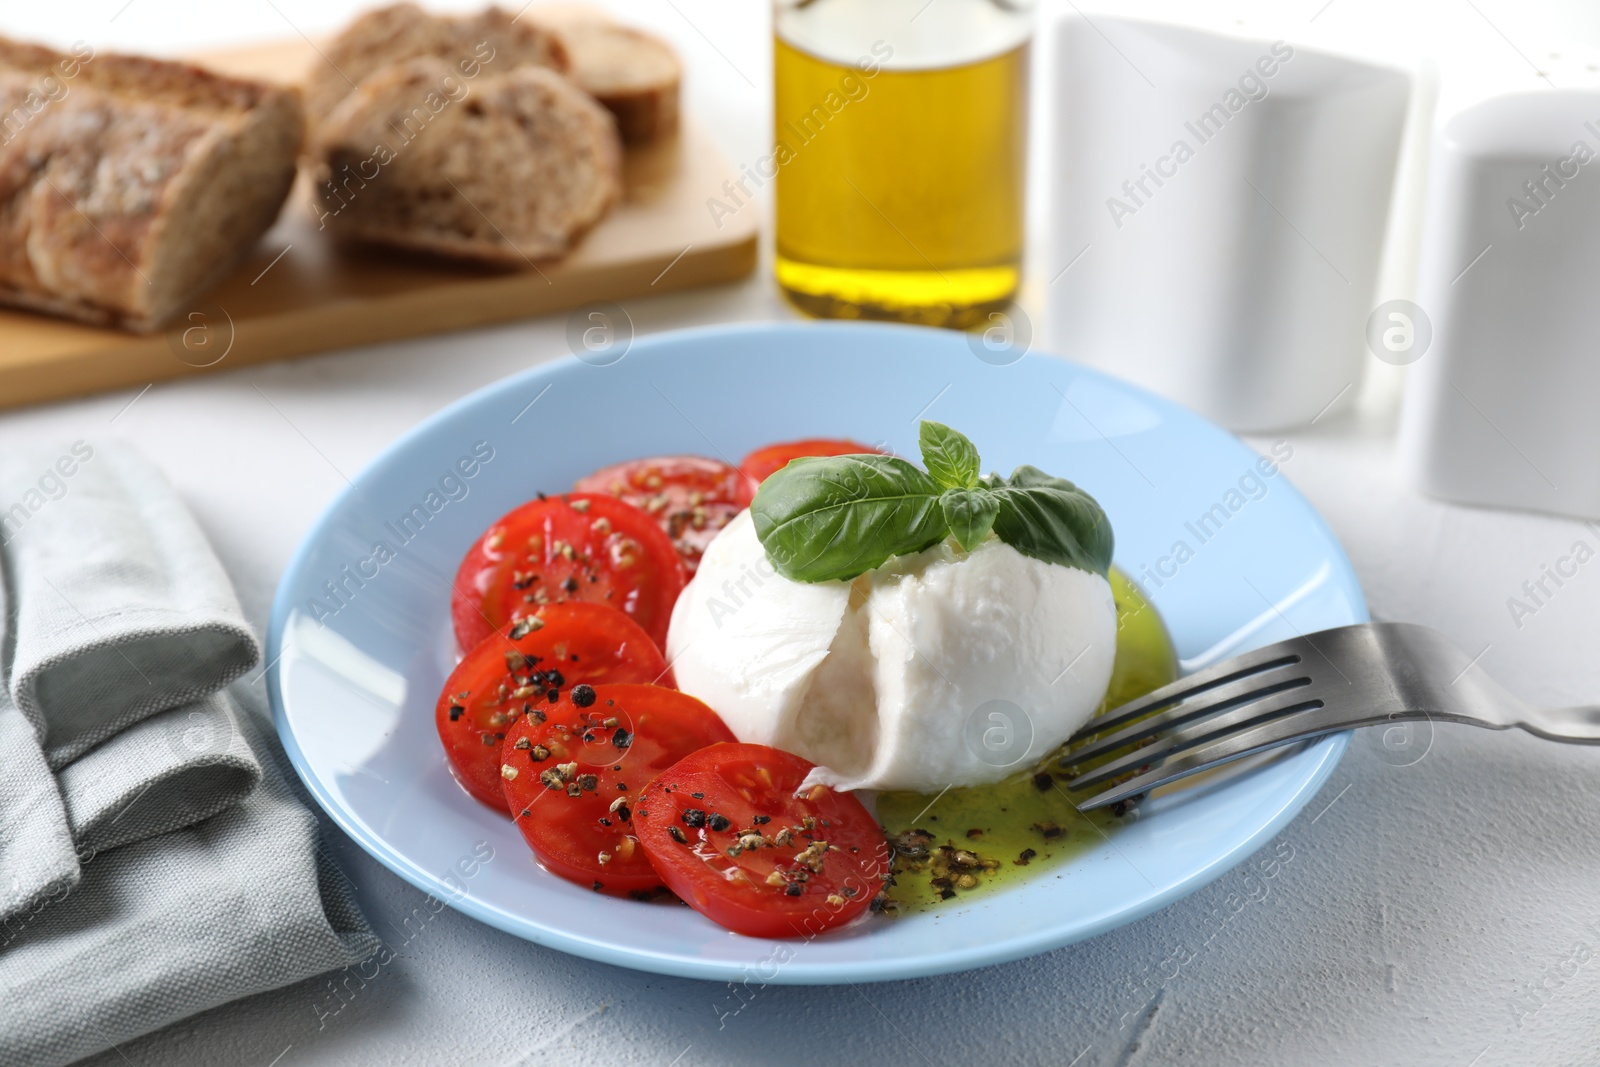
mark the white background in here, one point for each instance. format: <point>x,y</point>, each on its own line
<point>1444,912</point>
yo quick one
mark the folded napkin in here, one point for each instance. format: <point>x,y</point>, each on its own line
<point>121,628</point>
<point>154,858</point>
<point>168,771</point>
<point>37,856</point>
<point>122,609</point>
<point>156,931</point>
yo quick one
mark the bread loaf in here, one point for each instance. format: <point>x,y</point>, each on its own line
<point>129,186</point>
<point>490,41</point>
<point>508,168</point>
<point>634,74</point>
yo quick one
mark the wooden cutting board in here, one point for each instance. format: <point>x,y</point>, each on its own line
<point>298,294</point>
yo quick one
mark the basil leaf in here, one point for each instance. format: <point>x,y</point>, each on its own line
<point>1051,519</point>
<point>970,514</point>
<point>951,458</point>
<point>834,517</point>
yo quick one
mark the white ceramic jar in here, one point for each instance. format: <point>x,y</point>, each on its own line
<point>1219,209</point>
<point>1501,410</point>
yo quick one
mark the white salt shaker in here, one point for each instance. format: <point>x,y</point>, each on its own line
<point>1502,407</point>
<point>1219,214</point>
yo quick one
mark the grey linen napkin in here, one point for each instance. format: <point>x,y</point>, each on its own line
<point>121,628</point>
<point>172,769</point>
<point>37,858</point>
<point>122,610</point>
<point>156,859</point>
<point>156,931</point>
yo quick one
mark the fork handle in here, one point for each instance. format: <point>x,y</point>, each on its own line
<point>1577,726</point>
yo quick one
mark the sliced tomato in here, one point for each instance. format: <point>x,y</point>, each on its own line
<point>502,680</point>
<point>570,776</point>
<point>690,496</point>
<point>576,547</point>
<point>761,463</point>
<point>727,833</point>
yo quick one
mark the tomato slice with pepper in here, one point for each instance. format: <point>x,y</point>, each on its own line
<point>559,549</point>
<point>570,775</point>
<point>505,678</point>
<point>690,496</point>
<point>727,833</point>
<point>758,465</point>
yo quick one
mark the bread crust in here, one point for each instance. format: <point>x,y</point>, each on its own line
<point>128,185</point>
<point>512,171</point>
<point>636,75</point>
<point>489,41</point>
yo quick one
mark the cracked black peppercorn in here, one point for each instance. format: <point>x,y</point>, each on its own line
<point>1122,807</point>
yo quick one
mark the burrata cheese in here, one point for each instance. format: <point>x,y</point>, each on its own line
<point>943,668</point>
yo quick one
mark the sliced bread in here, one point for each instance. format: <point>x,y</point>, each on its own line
<point>509,168</point>
<point>636,75</point>
<point>490,41</point>
<point>129,186</point>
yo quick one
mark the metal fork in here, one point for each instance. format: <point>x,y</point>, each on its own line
<point>1306,687</point>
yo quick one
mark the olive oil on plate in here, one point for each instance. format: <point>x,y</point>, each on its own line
<point>983,838</point>
<point>900,189</point>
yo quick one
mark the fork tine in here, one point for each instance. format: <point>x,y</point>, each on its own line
<point>1303,724</point>
<point>1259,661</point>
<point>1220,698</point>
<point>1197,733</point>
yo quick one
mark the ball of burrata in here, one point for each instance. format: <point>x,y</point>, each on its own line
<point>943,668</point>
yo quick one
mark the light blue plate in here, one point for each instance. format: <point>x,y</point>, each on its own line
<point>361,647</point>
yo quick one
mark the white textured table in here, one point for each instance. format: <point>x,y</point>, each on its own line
<point>1441,911</point>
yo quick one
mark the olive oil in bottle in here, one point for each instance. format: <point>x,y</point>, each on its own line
<point>901,141</point>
